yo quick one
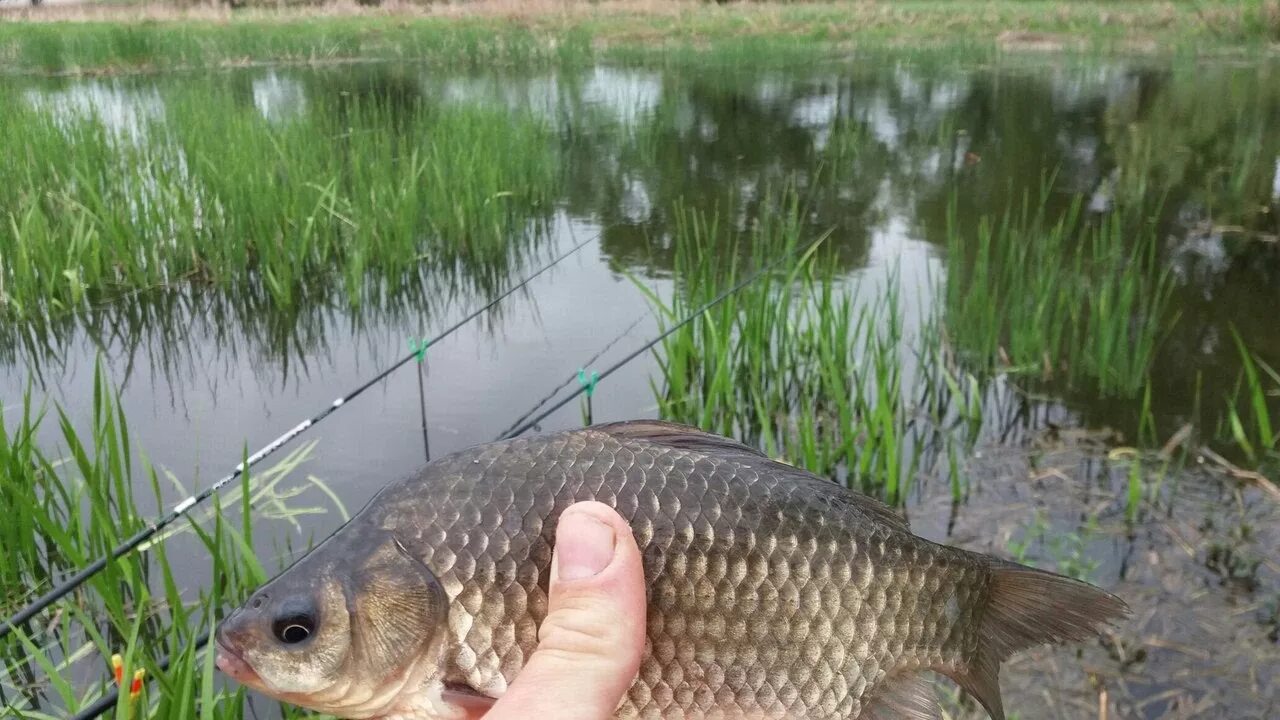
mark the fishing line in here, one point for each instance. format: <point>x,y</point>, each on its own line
<point>179,510</point>
<point>574,376</point>
<point>759,272</point>
<point>422,406</point>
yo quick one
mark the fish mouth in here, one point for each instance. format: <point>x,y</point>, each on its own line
<point>234,666</point>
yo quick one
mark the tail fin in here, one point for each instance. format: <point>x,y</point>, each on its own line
<point>1024,608</point>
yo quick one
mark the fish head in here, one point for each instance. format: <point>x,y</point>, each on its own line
<point>352,629</point>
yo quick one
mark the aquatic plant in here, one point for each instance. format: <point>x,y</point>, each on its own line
<point>202,187</point>
<point>1068,297</point>
<point>1250,420</point>
<point>66,511</point>
<point>794,363</point>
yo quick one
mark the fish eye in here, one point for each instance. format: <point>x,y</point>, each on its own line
<point>293,628</point>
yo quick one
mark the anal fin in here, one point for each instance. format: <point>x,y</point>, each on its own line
<point>906,695</point>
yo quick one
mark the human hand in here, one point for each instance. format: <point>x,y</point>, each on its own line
<point>591,642</point>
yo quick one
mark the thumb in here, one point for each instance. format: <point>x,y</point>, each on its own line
<point>591,642</point>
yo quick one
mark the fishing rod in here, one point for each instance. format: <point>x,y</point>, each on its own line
<point>759,272</point>
<point>183,507</point>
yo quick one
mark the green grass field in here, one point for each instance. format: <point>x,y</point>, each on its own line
<point>87,39</point>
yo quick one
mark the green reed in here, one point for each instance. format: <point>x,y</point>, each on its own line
<point>1251,422</point>
<point>65,511</point>
<point>794,363</point>
<point>179,44</point>
<point>202,188</point>
<point>1070,297</point>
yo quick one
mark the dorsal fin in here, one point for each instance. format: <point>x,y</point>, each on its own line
<point>685,437</point>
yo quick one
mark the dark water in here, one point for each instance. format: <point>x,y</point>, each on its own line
<point>205,373</point>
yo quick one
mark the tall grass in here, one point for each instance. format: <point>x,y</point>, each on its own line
<point>795,362</point>
<point>160,36</point>
<point>64,511</point>
<point>202,188</point>
<point>1251,422</point>
<point>1069,297</point>
<point>176,44</point>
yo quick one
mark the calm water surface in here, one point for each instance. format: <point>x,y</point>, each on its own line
<point>206,373</point>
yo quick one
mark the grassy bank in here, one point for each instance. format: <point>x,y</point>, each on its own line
<point>97,39</point>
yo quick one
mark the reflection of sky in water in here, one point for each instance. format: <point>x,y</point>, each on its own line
<point>128,114</point>
<point>540,94</point>
<point>1074,87</point>
<point>933,93</point>
<point>816,113</point>
<point>123,111</point>
<point>880,117</point>
<point>625,96</point>
<point>636,204</point>
<point>279,98</point>
<point>899,257</point>
<point>1275,181</point>
<point>1199,256</point>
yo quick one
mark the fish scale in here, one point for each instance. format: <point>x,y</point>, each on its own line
<point>772,594</point>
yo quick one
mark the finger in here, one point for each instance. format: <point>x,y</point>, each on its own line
<point>591,642</point>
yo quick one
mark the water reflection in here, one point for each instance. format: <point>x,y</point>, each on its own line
<point>880,150</point>
<point>123,110</point>
<point>278,98</point>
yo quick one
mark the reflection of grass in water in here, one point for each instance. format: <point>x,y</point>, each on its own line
<point>355,185</point>
<point>64,513</point>
<point>1206,142</point>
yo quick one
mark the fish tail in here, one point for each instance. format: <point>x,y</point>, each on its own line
<point>1024,608</point>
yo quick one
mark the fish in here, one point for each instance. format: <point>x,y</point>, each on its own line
<point>771,592</point>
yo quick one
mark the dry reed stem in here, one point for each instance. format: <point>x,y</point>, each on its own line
<point>1241,474</point>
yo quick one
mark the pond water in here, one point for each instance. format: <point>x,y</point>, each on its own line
<point>207,372</point>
